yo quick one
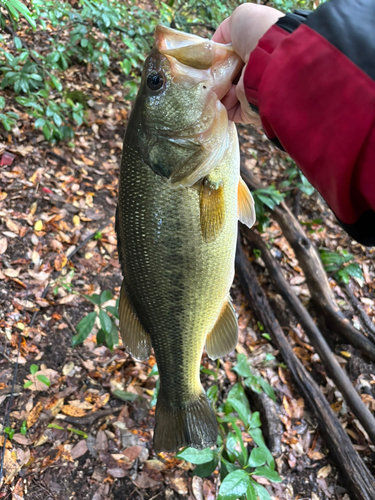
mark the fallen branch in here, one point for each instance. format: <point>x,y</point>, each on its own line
<point>315,274</point>
<point>369,325</point>
<point>355,473</point>
<point>90,418</point>
<point>329,361</point>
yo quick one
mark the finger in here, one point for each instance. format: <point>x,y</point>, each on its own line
<point>222,34</point>
<point>230,99</point>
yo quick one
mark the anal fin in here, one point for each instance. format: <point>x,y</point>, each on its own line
<point>136,340</point>
<point>224,336</point>
<point>246,207</point>
<point>212,209</point>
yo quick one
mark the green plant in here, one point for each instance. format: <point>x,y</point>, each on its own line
<point>341,265</point>
<point>42,378</point>
<point>296,179</point>
<point>15,9</point>
<point>9,432</point>
<point>23,429</point>
<point>108,332</point>
<point>265,199</point>
<point>236,462</point>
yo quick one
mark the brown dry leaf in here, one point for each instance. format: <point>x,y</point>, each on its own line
<point>54,406</point>
<point>12,226</point>
<point>180,485</point>
<point>12,273</point>
<point>315,455</point>
<point>37,385</point>
<point>132,452</point>
<point>60,261</point>
<point>101,401</point>
<point>34,414</point>
<point>79,449</point>
<point>3,245</point>
<point>144,481</point>
<point>8,443</point>
<point>17,493</point>
<point>11,466</point>
<point>324,472</point>
<point>73,411</point>
<point>21,439</point>
<point>117,472</point>
<point>68,299</point>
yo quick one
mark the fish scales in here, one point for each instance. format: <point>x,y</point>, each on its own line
<point>177,263</point>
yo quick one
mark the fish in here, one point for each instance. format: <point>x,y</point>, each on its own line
<point>180,199</point>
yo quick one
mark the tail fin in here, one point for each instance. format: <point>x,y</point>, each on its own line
<point>192,425</point>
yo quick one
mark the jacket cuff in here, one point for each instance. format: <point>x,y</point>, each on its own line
<point>259,60</point>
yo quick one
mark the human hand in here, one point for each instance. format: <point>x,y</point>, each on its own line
<point>243,29</point>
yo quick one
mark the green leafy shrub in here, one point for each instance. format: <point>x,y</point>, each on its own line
<point>341,265</point>
<point>237,464</point>
<point>265,199</point>
<point>108,333</point>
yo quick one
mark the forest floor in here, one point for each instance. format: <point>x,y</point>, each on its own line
<point>99,447</point>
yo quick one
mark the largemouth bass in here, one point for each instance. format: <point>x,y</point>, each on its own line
<point>179,202</point>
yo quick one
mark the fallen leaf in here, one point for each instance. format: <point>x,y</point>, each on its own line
<point>79,449</point>
<point>144,481</point>
<point>60,262</point>
<point>73,411</point>
<point>34,414</point>
<point>12,226</point>
<point>101,401</point>
<point>7,158</point>
<point>11,466</point>
<point>132,452</point>
<point>12,273</point>
<point>38,226</point>
<point>324,472</point>
<point>3,245</point>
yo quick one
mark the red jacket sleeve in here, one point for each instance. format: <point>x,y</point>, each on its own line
<point>312,79</point>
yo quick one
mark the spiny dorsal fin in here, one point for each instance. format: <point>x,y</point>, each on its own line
<point>246,207</point>
<point>212,210</point>
<point>136,340</point>
<point>224,336</point>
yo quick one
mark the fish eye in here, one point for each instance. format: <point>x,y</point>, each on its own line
<point>155,81</point>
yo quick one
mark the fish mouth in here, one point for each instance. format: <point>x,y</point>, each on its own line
<point>199,60</point>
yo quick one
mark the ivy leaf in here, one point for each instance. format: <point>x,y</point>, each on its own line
<point>206,469</point>
<point>354,271</point>
<point>257,457</point>
<point>94,298</point>
<point>242,367</point>
<point>257,436</point>
<point>261,492</point>
<point>234,485</point>
<point>34,369</point>
<point>126,396</point>
<point>268,473</point>
<point>45,380</point>
<point>239,402</point>
<point>196,456</point>
<point>84,328</point>
<point>105,296</point>
<point>105,321</point>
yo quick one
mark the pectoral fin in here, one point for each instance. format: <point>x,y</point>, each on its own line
<point>224,335</point>
<point>136,340</point>
<point>246,207</point>
<point>211,209</point>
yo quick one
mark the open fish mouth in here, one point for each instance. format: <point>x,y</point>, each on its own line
<point>195,59</point>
